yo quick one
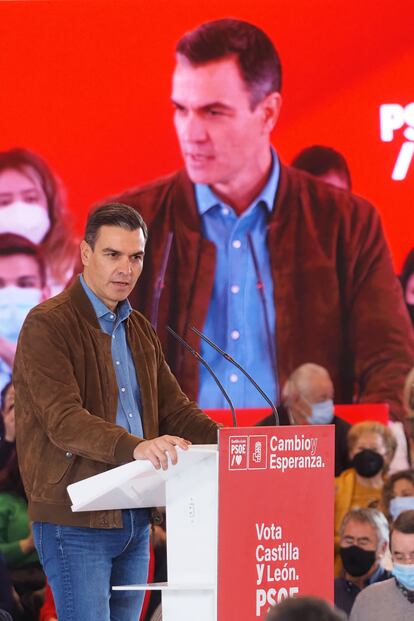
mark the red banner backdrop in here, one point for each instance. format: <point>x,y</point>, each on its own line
<point>86,84</point>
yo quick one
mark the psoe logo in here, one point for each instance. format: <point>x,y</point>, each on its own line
<point>238,453</point>
<point>392,118</point>
<point>257,452</point>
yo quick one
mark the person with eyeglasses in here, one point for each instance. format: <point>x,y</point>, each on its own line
<point>393,598</point>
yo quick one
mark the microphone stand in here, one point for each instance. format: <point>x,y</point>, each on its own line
<point>209,369</point>
<point>238,366</point>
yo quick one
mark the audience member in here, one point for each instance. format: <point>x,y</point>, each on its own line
<point>371,448</point>
<point>307,398</point>
<point>6,593</point>
<point>364,539</point>
<point>7,425</point>
<point>32,205</point>
<point>272,264</point>
<point>393,598</point>
<point>22,286</point>
<point>398,494</point>
<point>305,609</point>
<point>325,163</point>
<point>16,541</point>
<point>407,282</point>
<point>408,400</point>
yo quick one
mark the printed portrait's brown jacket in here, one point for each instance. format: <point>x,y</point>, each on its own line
<point>338,302</point>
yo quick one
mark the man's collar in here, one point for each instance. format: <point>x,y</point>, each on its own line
<point>123,309</point>
<point>206,199</point>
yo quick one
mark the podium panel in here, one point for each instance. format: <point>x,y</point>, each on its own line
<point>276,507</point>
<point>249,522</point>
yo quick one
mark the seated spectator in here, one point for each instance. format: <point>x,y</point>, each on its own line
<point>408,400</point>
<point>398,494</point>
<point>325,163</point>
<point>32,205</point>
<point>393,598</point>
<point>371,447</point>
<point>6,593</point>
<point>407,282</point>
<point>22,286</point>
<point>304,609</point>
<point>307,399</point>
<point>16,541</point>
<point>7,425</point>
<point>364,539</point>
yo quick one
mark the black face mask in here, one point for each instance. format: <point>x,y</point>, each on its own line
<point>368,463</point>
<point>356,561</point>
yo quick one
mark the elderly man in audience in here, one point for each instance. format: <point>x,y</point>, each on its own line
<point>371,448</point>
<point>364,539</point>
<point>393,598</point>
<point>307,399</point>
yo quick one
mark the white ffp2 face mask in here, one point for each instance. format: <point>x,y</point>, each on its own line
<point>15,303</point>
<point>30,220</point>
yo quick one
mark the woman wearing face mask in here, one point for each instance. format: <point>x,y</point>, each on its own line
<point>31,206</point>
<point>398,494</point>
<point>22,286</point>
<point>371,448</point>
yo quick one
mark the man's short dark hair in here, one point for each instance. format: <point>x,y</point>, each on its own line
<point>319,160</point>
<point>305,609</point>
<point>404,523</point>
<point>113,214</point>
<point>258,59</point>
<point>11,244</point>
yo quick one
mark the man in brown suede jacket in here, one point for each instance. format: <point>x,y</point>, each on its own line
<point>325,291</point>
<point>93,391</point>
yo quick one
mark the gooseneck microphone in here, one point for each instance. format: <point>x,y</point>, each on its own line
<point>227,357</point>
<point>209,369</point>
<point>159,283</point>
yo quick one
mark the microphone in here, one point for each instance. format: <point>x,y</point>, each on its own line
<point>209,369</point>
<point>159,283</point>
<point>227,357</point>
<point>260,288</point>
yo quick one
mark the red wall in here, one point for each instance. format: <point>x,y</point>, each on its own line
<point>86,84</point>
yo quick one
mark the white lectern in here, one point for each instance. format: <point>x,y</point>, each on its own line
<point>189,491</point>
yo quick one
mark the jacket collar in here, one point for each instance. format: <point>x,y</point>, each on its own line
<point>82,303</point>
<point>184,196</point>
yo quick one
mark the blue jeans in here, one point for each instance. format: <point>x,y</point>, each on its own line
<point>82,564</point>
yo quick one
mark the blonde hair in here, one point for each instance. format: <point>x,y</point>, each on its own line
<point>372,426</point>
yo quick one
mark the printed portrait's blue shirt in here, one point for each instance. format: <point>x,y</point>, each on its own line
<point>236,318</point>
<point>129,398</point>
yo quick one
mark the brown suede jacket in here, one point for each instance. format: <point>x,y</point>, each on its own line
<point>338,302</point>
<point>66,402</point>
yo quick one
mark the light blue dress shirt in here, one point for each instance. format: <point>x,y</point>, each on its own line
<point>128,413</point>
<point>236,317</point>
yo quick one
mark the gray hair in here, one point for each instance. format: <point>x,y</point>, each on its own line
<point>373,517</point>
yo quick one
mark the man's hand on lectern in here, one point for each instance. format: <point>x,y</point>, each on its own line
<point>158,450</point>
